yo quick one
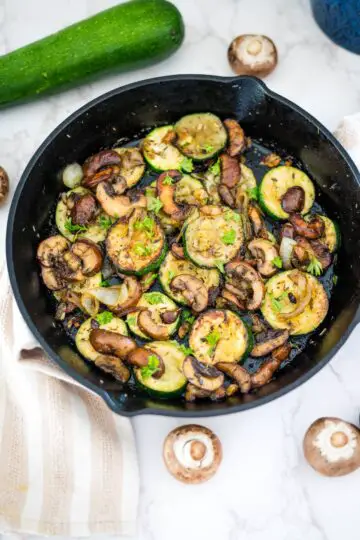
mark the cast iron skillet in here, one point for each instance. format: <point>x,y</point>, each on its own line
<point>131,111</point>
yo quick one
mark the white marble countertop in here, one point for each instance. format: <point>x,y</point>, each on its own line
<point>264,490</point>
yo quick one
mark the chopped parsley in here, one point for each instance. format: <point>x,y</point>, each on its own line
<point>142,250</point>
<point>229,237</point>
<point>277,303</point>
<point>131,319</point>
<point>149,279</point>
<point>335,279</point>
<point>167,180</point>
<point>187,165</point>
<point>253,193</point>
<point>151,368</point>
<point>315,267</point>
<point>73,228</point>
<point>154,298</point>
<point>154,204</point>
<point>277,262</point>
<point>188,317</point>
<point>186,350</point>
<point>208,148</point>
<point>212,339</point>
<point>104,283</point>
<point>230,215</point>
<point>105,222</point>
<point>171,275</point>
<point>105,317</point>
<point>220,266</point>
<point>215,168</point>
<point>147,225</point>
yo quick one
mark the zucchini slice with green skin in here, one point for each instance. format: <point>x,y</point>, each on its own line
<point>94,232</point>
<point>161,154</point>
<point>132,167</point>
<point>173,382</point>
<point>211,239</point>
<point>82,339</point>
<point>200,136</point>
<point>247,180</point>
<point>277,303</point>
<point>172,267</point>
<point>156,303</point>
<point>220,336</point>
<point>275,184</point>
<point>81,287</point>
<point>211,184</point>
<point>331,237</point>
<point>188,190</point>
<point>136,245</point>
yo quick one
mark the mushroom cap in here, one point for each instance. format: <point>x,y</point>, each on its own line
<point>332,446</point>
<point>192,453</point>
<point>252,54</point>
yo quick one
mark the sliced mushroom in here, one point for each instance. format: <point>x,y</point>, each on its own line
<point>192,454</point>
<point>271,160</point>
<point>226,195</point>
<point>231,298</point>
<point>94,164</point>
<point>237,139</point>
<point>193,393</point>
<point>287,231</point>
<point>246,283</point>
<point>114,366</point>
<point>293,200</point>
<point>4,184</point>
<point>169,317</point>
<point>265,252</point>
<point>252,54</point>
<point>202,375</point>
<point>150,327</point>
<point>139,357</point>
<point>332,446</point>
<point>257,221</point>
<point>281,353</point>
<point>69,267</point>
<point>107,342</point>
<point>177,250</point>
<point>304,250</point>
<point>51,250</point>
<point>312,229</point>
<point>184,329</point>
<point>257,325</point>
<point>272,340</point>
<point>265,373</point>
<point>238,373</point>
<point>90,256</point>
<point>118,206</point>
<point>52,279</point>
<point>322,253</point>
<point>166,193</point>
<point>193,290</point>
<point>84,210</point>
<point>230,170</point>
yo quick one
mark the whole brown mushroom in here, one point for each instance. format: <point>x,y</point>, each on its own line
<point>192,453</point>
<point>252,54</point>
<point>332,446</point>
<point>4,185</point>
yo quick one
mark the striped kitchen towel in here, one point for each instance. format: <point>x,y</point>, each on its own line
<point>67,464</point>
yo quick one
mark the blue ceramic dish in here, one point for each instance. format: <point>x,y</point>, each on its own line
<point>340,20</point>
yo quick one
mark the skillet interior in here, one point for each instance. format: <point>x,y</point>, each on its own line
<point>129,112</point>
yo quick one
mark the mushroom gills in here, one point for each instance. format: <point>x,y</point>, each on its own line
<point>252,54</point>
<point>114,366</point>
<point>203,376</point>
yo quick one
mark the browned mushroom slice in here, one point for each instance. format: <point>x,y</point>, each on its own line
<point>265,253</point>
<point>114,366</point>
<point>4,184</point>
<point>230,170</point>
<point>84,210</point>
<point>265,373</point>
<point>304,251</point>
<point>281,353</point>
<point>287,231</point>
<point>238,373</point>
<point>170,316</point>
<point>312,229</point>
<point>177,250</point>
<point>293,200</point>
<point>257,325</point>
<point>150,327</point>
<point>107,342</point>
<point>237,139</point>
<point>99,161</point>
<point>193,290</point>
<point>69,267</point>
<point>184,329</point>
<point>51,250</point>
<point>244,279</point>
<point>166,191</point>
<point>139,357</point>
<point>271,160</point>
<point>266,344</point>
<point>322,253</point>
<point>202,375</point>
<point>52,279</point>
<point>89,254</point>
<point>226,195</point>
<point>252,54</point>
<point>231,298</point>
<point>116,205</point>
<point>130,297</point>
<point>193,393</point>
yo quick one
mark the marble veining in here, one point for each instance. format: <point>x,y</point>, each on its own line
<point>264,490</point>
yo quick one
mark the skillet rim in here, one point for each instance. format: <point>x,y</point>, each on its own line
<point>112,404</point>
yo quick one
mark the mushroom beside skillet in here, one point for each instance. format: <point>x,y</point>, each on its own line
<point>332,446</point>
<point>265,252</point>
<point>193,290</point>
<point>252,54</point>
<point>245,283</point>
<point>192,453</point>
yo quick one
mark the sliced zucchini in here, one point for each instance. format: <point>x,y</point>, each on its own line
<point>211,239</point>
<point>220,336</point>
<point>331,237</point>
<point>247,180</point>
<point>188,190</point>
<point>156,303</point>
<point>94,231</point>
<point>200,135</point>
<point>169,224</point>
<point>132,165</point>
<point>277,305</point>
<point>172,383</point>
<point>159,152</point>
<point>82,340</point>
<point>172,267</point>
<point>211,183</point>
<point>136,245</point>
<point>90,283</point>
<point>275,184</point>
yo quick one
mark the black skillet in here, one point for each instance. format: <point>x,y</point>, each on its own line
<point>131,111</point>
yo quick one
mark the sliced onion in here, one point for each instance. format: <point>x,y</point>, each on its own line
<point>90,304</point>
<point>302,293</point>
<point>286,248</point>
<point>110,296</point>
<point>72,175</point>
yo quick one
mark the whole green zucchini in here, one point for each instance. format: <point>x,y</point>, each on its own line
<point>127,36</point>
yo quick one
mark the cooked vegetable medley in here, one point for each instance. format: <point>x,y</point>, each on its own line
<point>174,269</point>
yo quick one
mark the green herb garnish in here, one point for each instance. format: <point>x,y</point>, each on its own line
<point>186,350</point>
<point>315,267</point>
<point>187,165</point>
<point>105,317</point>
<point>167,180</point>
<point>73,228</point>
<point>105,222</point>
<point>220,266</point>
<point>215,168</point>
<point>277,262</point>
<point>142,250</point>
<point>151,368</point>
<point>154,204</point>
<point>149,279</point>
<point>154,298</point>
<point>229,237</point>
<point>230,215</point>
<point>335,279</point>
<point>253,193</point>
<point>277,303</point>
<point>187,316</point>
<point>104,283</point>
<point>147,225</point>
<point>131,319</point>
<point>212,339</point>
<point>208,148</point>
